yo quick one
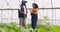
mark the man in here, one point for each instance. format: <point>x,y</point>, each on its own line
<point>22,13</point>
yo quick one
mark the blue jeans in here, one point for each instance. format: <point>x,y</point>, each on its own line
<point>34,20</point>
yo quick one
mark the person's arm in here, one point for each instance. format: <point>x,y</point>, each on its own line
<point>36,11</point>
<point>26,8</point>
<point>20,11</point>
<point>32,11</point>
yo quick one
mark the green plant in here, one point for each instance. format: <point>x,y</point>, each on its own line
<point>47,25</point>
<point>12,27</point>
<point>9,27</point>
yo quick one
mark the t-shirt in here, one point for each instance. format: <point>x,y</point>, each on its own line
<point>24,9</point>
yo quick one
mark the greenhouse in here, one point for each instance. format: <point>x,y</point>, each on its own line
<point>48,16</point>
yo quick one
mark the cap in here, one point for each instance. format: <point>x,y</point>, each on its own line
<point>24,1</point>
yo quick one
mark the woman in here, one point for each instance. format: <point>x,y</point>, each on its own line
<point>34,15</point>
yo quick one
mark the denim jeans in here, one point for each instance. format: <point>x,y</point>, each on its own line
<point>34,20</point>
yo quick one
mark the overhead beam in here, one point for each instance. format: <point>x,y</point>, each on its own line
<point>29,8</point>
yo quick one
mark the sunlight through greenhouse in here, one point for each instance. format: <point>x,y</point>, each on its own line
<point>47,16</point>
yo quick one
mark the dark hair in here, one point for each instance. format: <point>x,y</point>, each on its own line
<point>36,6</point>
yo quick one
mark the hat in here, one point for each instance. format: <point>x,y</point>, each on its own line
<point>24,1</point>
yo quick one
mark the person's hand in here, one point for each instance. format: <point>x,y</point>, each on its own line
<point>30,10</point>
<point>19,10</point>
<point>25,14</point>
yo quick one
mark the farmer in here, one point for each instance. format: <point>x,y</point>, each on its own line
<point>22,13</point>
<point>34,15</point>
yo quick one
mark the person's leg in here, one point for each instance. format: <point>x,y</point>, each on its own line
<point>20,21</point>
<point>34,22</point>
<point>32,16</point>
<point>24,22</point>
